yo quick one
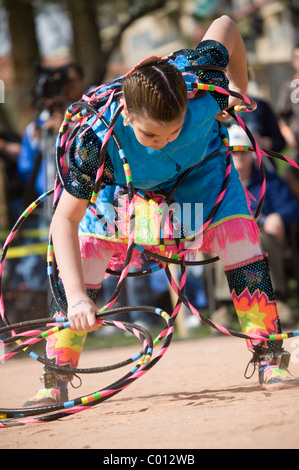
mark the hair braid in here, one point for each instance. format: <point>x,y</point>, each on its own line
<point>157,91</point>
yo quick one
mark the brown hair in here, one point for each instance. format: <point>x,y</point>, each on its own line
<point>157,91</point>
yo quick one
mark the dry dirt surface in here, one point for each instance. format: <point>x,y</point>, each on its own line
<point>195,397</point>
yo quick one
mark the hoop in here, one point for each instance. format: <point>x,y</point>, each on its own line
<point>144,358</point>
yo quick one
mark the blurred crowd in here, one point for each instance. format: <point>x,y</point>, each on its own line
<point>27,170</point>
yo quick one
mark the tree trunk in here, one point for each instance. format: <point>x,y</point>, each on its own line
<point>88,49</point>
<point>25,53</point>
<point>87,41</point>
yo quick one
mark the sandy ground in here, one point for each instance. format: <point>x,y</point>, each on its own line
<point>195,397</point>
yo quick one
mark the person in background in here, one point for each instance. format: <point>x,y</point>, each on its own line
<point>11,193</point>
<point>291,177</point>
<point>263,124</point>
<point>280,210</point>
<point>11,187</point>
<point>35,170</point>
<point>55,89</point>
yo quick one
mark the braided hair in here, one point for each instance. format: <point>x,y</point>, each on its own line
<point>156,91</point>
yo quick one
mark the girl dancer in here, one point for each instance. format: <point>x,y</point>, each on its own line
<point>165,130</point>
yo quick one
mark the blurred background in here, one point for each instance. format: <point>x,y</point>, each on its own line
<point>53,51</point>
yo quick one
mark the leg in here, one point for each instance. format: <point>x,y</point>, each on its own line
<point>254,300</point>
<point>64,348</point>
<point>222,313</point>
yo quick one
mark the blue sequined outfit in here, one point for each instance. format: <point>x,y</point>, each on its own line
<point>159,170</point>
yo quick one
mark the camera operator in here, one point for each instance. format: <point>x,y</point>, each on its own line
<point>10,191</point>
<point>55,89</point>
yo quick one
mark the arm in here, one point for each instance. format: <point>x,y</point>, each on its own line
<point>9,150</point>
<point>274,225</point>
<point>225,31</point>
<point>69,212</point>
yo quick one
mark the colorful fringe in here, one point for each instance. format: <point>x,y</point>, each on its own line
<point>229,231</point>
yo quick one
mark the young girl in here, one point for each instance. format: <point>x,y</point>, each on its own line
<point>164,131</point>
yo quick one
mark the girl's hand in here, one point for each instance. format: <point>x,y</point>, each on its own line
<point>224,115</point>
<point>82,314</point>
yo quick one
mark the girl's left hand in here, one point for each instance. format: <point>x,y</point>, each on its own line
<point>224,114</point>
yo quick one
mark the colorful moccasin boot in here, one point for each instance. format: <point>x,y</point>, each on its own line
<point>63,349</point>
<point>254,300</point>
<point>272,375</point>
<point>48,396</point>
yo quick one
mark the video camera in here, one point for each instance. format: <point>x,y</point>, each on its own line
<point>49,84</point>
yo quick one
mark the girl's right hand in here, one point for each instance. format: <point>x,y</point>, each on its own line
<point>82,314</point>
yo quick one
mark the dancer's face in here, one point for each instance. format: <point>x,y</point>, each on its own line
<point>154,134</point>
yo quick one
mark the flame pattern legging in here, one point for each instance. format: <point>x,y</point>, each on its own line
<point>253,297</point>
<point>65,347</point>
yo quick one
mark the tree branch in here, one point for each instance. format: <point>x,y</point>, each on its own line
<point>142,11</point>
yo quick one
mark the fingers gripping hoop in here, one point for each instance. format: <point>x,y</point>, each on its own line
<point>144,360</point>
<point>38,330</point>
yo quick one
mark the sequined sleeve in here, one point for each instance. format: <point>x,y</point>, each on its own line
<point>83,165</point>
<point>212,53</point>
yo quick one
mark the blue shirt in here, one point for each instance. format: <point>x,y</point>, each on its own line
<point>159,170</point>
<point>278,197</point>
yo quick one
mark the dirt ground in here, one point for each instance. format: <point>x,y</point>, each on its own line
<point>195,397</point>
